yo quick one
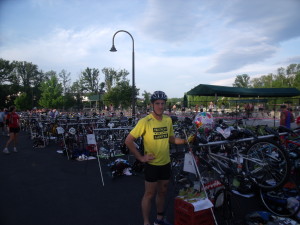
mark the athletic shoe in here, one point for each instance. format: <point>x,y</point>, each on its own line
<point>161,222</point>
<point>15,149</point>
<point>5,151</point>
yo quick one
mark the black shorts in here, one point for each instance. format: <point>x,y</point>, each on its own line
<point>155,173</point>
<point>14,130</point>
<point>1,124</point>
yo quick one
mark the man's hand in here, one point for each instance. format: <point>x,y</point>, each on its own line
<point>191,138</point>
<point>148,157</point>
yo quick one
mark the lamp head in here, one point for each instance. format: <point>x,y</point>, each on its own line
<point>113,48</point>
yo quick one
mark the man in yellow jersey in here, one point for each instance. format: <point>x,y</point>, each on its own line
<point>157,132</point>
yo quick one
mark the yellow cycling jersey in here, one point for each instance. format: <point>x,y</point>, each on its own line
<point>155,135</point>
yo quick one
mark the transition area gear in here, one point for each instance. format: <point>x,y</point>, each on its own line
<point>158,95</point>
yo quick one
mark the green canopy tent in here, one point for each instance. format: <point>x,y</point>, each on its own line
<point>95,98</point>
<point>250,101</point>
<point>214,90</point>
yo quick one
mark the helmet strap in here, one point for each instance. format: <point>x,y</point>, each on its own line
<point>156,115</point>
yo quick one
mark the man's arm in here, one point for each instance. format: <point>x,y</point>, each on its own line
<point>132,147</point>
<point>177,141</point>
<point>282,118</point>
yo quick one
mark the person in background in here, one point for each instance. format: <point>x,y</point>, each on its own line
<point>223,108</point>
<point>53,113</point>
<point>2,121</point>
<point>197,109</point>
<point>211,106</point>
<point>6,121</point>
<point>286,117</point>
<point>14,128</point>
<point>157,132</point>
<point>298,121</point>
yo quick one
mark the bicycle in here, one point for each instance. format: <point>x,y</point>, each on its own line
<point>261,161</point>
<point>285,201</point>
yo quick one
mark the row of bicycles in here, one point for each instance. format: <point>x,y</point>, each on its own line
<point>258,159</point>
<point>79,137</point>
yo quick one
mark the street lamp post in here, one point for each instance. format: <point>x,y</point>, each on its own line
<point>113,49</point>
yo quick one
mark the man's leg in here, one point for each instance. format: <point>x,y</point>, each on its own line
<point>150,189</point>
<point>15,139</point>
<point>162,188</point>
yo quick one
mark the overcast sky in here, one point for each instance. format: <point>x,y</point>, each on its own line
<point>179,44</point>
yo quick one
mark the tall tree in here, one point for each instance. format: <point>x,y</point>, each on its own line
<point>65,81</point>
<point>77,91</point>
<point>112,77</point>
<point>265,81</point>
<point>24,78</point>
<point>26,73</point>
<point>147,96</point>
<point>5,70</point>
<point>242,81</point>
<point>291,71</point>
<point>90,79</point>
<point>51,93</point>
<point>109,74</point>
<point>22,102</point>
<point>120,95</point>
<point>6,88</point>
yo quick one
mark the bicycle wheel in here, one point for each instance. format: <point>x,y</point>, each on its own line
<point>219,199</point>
<point>282,202</point>
<point>267,164</point>
<point>180,178</point>
<point>223,206</point>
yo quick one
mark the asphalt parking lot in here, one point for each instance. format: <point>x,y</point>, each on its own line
<point>40,186</point>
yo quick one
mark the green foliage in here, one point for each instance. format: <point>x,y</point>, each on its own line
<point>112,77</point>
<point>25,74</point>
<point>6,96</point>
<point>202,100</point>
<point>242,81</point>
<point>285,78</point>
<point>175,101</point>
<point>65,80</point>
<point>51,93</point>
<point>5,70</point>
<point>265,81</point>
<point>76,90</point>
<point>120,95</point>
<point>90,80</point>
<point>147,96</point>
<point>23,102</point>
<point>118,89</point>
<point>69,101</point>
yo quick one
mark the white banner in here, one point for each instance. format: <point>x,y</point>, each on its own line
<point>189,165</point>
<point>60,130</point>
<point>91,140</point>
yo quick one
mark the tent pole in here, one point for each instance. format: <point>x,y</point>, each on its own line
<point>274,111</point>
